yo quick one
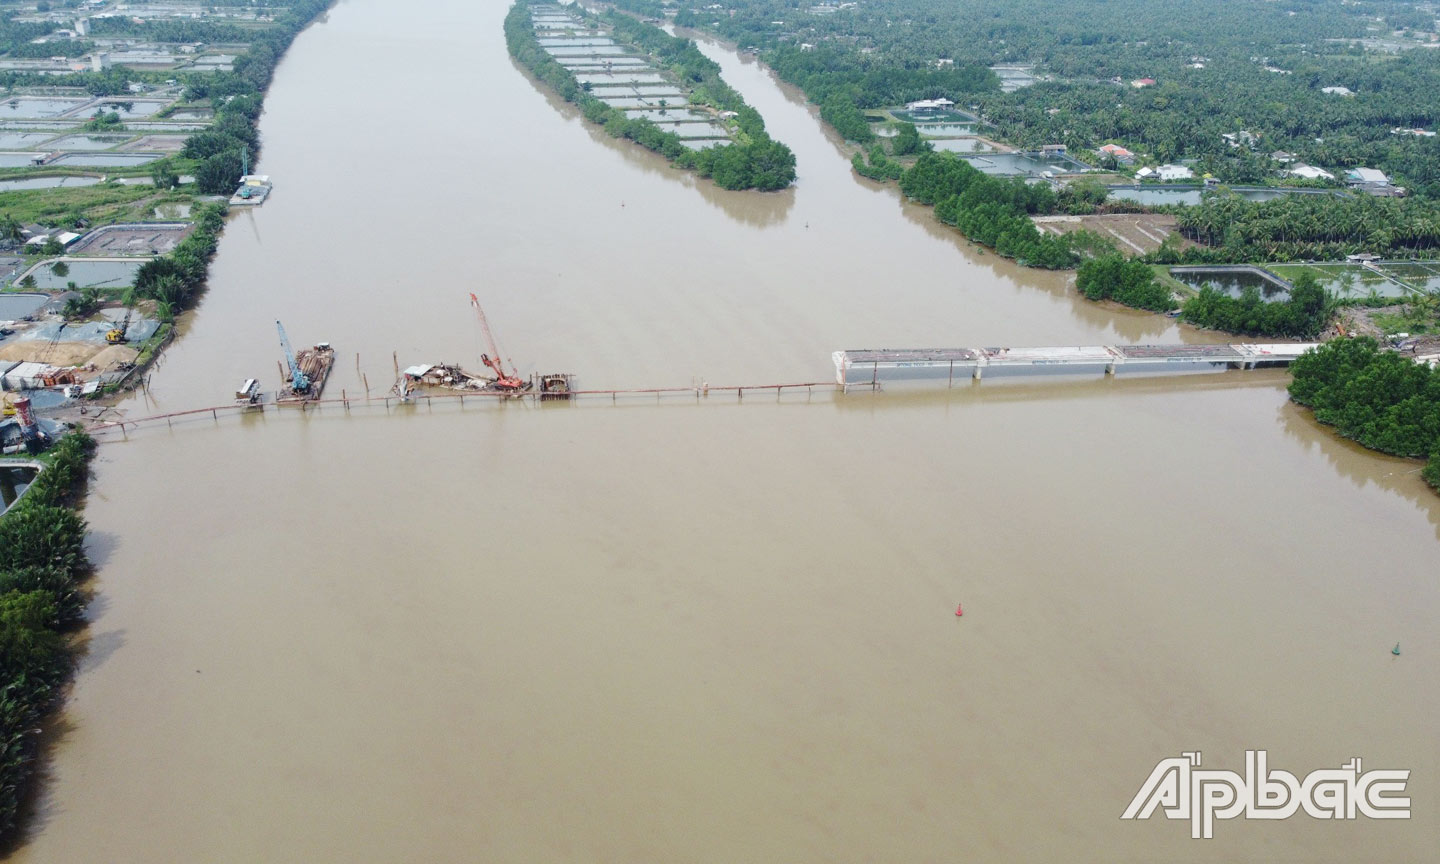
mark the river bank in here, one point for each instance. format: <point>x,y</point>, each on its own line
<point>43,566</point>
<point>42,562</point>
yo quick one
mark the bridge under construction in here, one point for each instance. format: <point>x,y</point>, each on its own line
<point>867,369</point>
<point>872,368</point>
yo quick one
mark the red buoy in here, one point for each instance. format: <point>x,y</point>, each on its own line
<point>959,610</point>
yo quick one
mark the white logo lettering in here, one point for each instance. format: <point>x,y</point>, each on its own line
<point>1183,790</point>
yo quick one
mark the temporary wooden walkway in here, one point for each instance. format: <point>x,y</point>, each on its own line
<point>430,397</point>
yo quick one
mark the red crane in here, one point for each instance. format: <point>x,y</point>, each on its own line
<point>503,380</point>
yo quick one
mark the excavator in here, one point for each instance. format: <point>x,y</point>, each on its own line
<point>506,381</point>
<point>116,336</point>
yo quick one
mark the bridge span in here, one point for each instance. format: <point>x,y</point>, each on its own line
<point>866,369</point>
<point>871,368</point>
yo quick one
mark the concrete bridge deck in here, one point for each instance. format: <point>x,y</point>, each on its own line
<point>872,367</point>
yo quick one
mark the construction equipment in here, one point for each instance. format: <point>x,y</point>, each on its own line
<point>249,393</point>
<point>299,381</point>
<point>556,385</point>
<point>117,336</point>
<point>245,190</point>
<point>509,381</point>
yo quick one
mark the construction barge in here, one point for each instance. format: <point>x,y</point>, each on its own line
<point>304,380</point>
<point>500,382</point>
<point>449,376</point>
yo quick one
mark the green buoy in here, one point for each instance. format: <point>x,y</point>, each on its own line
<point>1396,649</point>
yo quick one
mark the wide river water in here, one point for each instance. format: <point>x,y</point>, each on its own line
<point>699,630</point>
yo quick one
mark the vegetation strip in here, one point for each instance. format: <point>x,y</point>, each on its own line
<point>42,568</point>
<point>753,161</point>
<point>993,211</point>
<point>1379,398</point>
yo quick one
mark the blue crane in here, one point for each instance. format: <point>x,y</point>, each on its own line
<point>299,381</point>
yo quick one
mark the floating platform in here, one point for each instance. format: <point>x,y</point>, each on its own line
<point>876,366</point>
<point>254,189</point>
<point>316,363</point>
<point>555,385</point>
<point>448,375</point>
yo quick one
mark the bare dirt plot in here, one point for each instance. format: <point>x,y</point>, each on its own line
<point>54,353</point>
<point>163,143</point>
<point>1132,233</point>
<point>112,356</point>
<point>128,241</point>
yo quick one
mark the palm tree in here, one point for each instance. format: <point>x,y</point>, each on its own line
<point>10,229</point>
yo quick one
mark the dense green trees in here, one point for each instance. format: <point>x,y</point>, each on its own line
<point>164,175</point>
<point>42,561</point>
<point>1320,227</point>
<point>1127,281</point>
<point>840,112</point>
<point>880,166</point>
<point>753,161</point>
<point>645,8</point>
<point>175,278</point>
<point>15,34</point>
<point>766,165</point>
<point>220,174</point>
<point>169,31</point>
<point>1219,67</point>
<point>990,210</point>
<point>203,145</point>
<point>843,81</point>
<point>1379,398</point>
<point>907,141</point>
<point>1303,316</point>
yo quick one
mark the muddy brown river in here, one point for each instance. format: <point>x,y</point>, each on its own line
<point>705,630</point>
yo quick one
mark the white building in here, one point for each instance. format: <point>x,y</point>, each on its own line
<point>1310,172</point>
<point>929,105</point>
<point>1367,177</point>
<point>1174,172</point>
<point>1243,138</point>
<point>1338,91</point>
